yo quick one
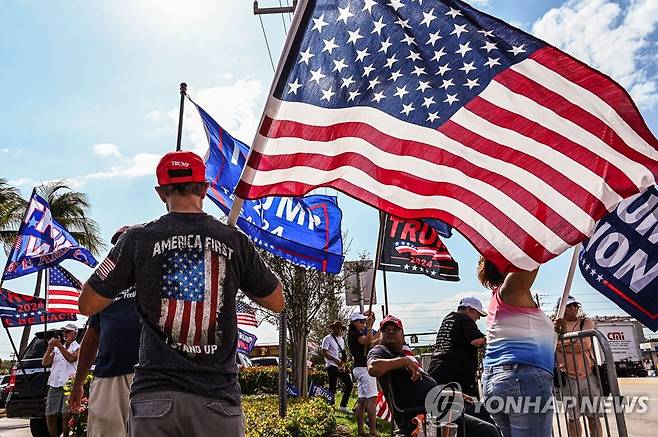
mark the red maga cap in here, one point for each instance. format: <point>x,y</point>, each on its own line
<point>180,167</point>
<point>391,319</point>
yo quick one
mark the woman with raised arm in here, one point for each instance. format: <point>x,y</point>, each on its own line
<point>518,365</point>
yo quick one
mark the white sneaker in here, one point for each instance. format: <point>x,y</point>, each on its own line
<point>345,410</point>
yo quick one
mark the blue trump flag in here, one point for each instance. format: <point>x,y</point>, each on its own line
<point>620,259</point>
<point>303,230</point>
<point>23,310</point>
<point>246,342</point>
<point>42,242</point>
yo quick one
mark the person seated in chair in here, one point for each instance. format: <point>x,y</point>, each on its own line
<point>402,378</point>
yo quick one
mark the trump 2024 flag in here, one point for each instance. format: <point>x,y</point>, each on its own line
<point>435,109</point>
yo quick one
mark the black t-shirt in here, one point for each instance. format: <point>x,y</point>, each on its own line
<point>186,269</point>
<point>357,350</point>
<point>408,394</point>
<point>119,330</point>
<point>453,346</point>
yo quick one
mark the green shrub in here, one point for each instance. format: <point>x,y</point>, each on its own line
<point>306,417</point>
<point>264,379</point>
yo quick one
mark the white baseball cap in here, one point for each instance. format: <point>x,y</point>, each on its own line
<point>473,302</point>
<point>357,316</point>
<point>571,300</point>
<point>70,327</point>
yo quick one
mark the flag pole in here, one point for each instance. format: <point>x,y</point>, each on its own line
<point>569,281</point>
<point>299,8</point>
<point>25,337</point>
<point>183,92</point>
<point>380,239</point>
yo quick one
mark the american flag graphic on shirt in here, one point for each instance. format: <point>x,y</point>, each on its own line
<point>191,294</point>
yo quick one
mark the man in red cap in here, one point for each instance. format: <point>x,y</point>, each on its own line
<point>402,378</point>
<point>186,268</point>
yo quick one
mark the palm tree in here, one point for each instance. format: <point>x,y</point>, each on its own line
<point>12,206</point>
<point>69,208</point>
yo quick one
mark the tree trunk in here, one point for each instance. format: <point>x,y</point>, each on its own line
<point>298,359</point>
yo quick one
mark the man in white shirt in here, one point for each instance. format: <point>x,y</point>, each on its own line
<point>335,359</point>
<point>64,358</point>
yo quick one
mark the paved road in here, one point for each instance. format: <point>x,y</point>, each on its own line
<point>639,425</point>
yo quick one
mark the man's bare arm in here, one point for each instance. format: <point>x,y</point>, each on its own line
<point>87,356</point>
<point>273,301</point>
<point>90,301</point>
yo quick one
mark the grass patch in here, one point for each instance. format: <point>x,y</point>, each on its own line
<point>346,423</point>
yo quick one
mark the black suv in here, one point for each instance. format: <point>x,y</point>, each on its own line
<point>27,391</point>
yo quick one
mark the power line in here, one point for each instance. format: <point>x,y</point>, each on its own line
<point>267,43</point>
<point>283,20</point>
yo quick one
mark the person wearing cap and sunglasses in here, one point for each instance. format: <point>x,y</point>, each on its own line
<point>360,337</point>
<point>186,268</point>
<point>400,374</point>
<point>62,359</point>
<point>112,342</point>
<point>576,360</point>
<point>335,360</point>
<point>455,356</point>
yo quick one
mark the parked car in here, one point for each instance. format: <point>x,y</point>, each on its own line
<point>4,383</point>
<point>265,361</point>
<point>27,387</point>
<point>243,360</point>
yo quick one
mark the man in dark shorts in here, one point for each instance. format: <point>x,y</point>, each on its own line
<point>186,268</point>
<point>455,356</point>
<point>113,334</point>
<point>400,374</point>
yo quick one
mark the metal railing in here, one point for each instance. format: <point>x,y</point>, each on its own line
<point>582,398</point>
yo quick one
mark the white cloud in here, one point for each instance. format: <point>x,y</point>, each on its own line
<point>5,150</point>
<point>142,164</point>
<point>22,182</point>
<point>105,150</point>
<point>154,115</point>
<point>613,39</point>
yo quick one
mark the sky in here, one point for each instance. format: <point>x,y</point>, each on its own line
<point>91,91</point>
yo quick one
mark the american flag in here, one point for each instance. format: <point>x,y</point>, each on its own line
<point>246,314</point>
<point>381,407</point>
<point>435,109</point>
<point>63,291</point>
<point>191,293</point>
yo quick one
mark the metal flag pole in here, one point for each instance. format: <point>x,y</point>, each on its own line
<point>569,281</point>
<point>380,239</point>
<point>183,92</point>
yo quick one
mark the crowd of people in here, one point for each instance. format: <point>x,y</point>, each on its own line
<point>163,335</point>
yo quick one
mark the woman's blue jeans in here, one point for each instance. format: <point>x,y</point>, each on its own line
<point>519,399</point>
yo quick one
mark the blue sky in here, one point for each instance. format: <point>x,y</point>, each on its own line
<point>91,96</point>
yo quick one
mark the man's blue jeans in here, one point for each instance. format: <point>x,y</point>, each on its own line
<point>519,399</point>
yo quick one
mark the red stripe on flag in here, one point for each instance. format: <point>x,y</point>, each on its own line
<point>214,286</point>
<point>55,291</point>
<point>360,194</point>
<point>424,187</point>
<point>616,179</point>
<point>171,315</point>
<point>597,83</point>
<point>520,84</point>
<point>185,322</point>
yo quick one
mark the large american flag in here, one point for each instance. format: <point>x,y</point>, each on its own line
<point>63,291</point>
<point>246,314</point>
<point>434,109</point>
<point>191,294</point>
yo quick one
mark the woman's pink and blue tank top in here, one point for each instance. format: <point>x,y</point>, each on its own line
<point>518,335</point>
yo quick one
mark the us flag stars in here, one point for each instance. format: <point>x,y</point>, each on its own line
<point>417,62</point>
